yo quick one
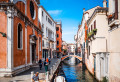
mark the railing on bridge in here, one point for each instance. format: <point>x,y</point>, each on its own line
<point>76,56</point>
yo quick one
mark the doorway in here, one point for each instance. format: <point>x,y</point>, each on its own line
<point>101,68</point>
<point>33,53</point>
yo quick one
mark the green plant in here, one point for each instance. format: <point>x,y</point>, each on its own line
<point>92,33</point>
<point>94,30</point>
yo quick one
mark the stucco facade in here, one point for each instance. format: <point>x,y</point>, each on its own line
<point>98,43</point>
<point>49,33</point>
<point>21,47</point>
<point>114,47</point>
<point>58,38</point>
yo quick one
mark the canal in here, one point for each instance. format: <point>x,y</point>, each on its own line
<point>75,71</point>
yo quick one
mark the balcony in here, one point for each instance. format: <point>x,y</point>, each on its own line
<point>51,39</point>
<point>91,35</point>
<point>113,20</point>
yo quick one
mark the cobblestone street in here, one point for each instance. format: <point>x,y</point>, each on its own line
<point>26,76</point>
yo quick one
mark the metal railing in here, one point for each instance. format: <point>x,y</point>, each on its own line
<point>49,74</point>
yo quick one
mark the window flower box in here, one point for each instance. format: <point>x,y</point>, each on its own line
<point>110,16</point>
<point>92,34</point>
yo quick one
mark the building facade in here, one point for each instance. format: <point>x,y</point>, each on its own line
<point>71,48</point>
<point>59,38</point>
<point>77,42</point>
<point>97,56</point>
<point>114,47</point>
<point>49,33</point>
<point>64,47</point>
<point>20,36</point>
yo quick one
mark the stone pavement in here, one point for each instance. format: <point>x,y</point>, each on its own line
<point>26,75</point>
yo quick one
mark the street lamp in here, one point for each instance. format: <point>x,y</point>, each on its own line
<point>3,34</point>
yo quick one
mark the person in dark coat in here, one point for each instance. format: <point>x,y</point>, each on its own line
<point>40,64</point>
<point>46,66</point>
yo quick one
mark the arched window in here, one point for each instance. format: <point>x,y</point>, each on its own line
<point>57,42</point>
<point>40,44</point>
<point>20,37</point>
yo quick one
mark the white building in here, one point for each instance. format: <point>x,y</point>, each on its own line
<point>71,48</point>
<point>49,33</point>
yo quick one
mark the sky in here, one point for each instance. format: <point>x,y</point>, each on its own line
<point>70,13</point>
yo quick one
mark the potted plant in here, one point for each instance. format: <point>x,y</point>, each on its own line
<point>94,31</point>
<point>110,16</point>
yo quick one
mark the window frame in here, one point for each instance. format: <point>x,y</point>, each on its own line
<point>22,37</point>
<point>40,44</point>
<point>42,14</point>
<point>57,42</point>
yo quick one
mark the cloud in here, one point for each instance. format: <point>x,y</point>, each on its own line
<point>55,12</point>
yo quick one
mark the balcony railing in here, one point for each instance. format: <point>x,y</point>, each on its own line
<point>51,39</point>
<point>111,18</point>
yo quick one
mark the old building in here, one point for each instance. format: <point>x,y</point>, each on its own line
<point>58,38</point>
<point>97,57</point>
<point>71,48</point>
<point>114,47</point>
<point>49,33</point>
<point>64,48</point>
<point>20,36</point>
<point>77,42</point>
<point>93,38</point>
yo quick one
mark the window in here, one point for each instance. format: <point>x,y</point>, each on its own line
<point>57,28</point>
<point>43,27</point>
<point>31,9</point>
<point>57,49</point>
<point>116,9</point>
<point>42,13</point>
<point>57,42</point>
<point>43,43</point>
<point>46,18</point>
<point>20,36</point>
<point>40,43</point>
<point>53,24</point>
<point>49,21</point>
<point>46,32</point>
<point>91,27</point>
<point>95,24</point>
<point>57,35</point>
<point>89,50</point>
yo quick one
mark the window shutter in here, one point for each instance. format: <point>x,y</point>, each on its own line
<point>91,27</point>
<point>95,24</point>
<point>116,9</point>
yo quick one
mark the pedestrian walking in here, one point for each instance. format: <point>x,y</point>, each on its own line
<point>46,66</point>
<point>49,60</point>
<point>40,64</point>
<point>35,77</point>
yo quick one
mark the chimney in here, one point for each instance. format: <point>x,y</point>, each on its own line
<point>83,10</point>
<point>104,3</point>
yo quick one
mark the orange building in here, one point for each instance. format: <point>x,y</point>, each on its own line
<point>58,38</point>
<point>20,36</point>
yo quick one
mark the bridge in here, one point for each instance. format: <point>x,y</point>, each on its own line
<point>78,57</point>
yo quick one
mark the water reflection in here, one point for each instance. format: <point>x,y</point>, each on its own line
<point>76,72</point>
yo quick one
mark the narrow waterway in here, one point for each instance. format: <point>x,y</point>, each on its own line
<point>75,71</point>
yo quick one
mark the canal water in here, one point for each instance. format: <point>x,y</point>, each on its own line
<point>75,71</point>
